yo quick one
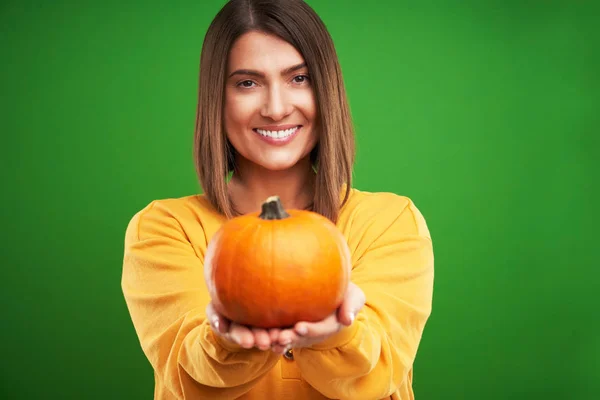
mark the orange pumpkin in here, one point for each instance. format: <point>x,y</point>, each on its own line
<point>275,268</point>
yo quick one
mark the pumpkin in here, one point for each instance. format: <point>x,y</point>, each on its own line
<point>273,268</point>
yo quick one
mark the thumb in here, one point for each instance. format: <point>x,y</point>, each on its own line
<point>353,302</point>
<point>219,323</point>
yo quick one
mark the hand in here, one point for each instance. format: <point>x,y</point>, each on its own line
<point>241,335</point>
<point>305,334</point>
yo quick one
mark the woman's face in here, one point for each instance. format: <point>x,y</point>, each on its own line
<point>269,102</point>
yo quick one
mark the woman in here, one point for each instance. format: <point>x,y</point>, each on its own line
<point>272,118</point>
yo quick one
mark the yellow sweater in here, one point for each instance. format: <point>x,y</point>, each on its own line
<point>163,285</point>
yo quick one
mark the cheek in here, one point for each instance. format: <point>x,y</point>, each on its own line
<point>238,111</point>
<point>307,104</point>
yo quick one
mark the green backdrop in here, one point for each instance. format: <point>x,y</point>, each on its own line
<point>484,113</point>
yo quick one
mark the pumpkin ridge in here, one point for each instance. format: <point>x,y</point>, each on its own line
<point>238,242</point>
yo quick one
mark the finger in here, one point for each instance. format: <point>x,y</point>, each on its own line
<point>219,323</point>
<point>288,337</point>
<point>241,335</point>
<point>279,349</point>
<point>274,334</point>
<point>353,302</point>
<point>326,327</point>
<point>262,339</point>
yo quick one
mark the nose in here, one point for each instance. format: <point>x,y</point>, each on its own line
<point>276,105</point>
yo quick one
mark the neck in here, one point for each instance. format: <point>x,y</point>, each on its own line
<point>252,184</point>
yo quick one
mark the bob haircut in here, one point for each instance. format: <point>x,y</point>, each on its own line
<point>295,22</point>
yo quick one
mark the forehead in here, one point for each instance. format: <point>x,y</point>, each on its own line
<point>261,51</point>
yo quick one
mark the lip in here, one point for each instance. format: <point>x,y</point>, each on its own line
<point>277,127</point>
<point>278,141</point>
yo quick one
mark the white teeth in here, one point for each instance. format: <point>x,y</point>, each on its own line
<point>277,134</point>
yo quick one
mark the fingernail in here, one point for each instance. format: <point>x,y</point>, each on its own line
<point>351,316</point>
<point>302,330</point>
<point>216,323</point>
<point>286,341</point>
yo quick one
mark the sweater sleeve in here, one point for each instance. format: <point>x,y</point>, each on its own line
<point>165,292</point>
<point>393,265</point>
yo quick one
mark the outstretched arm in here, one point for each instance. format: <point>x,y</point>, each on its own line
<point>373,356</point>
<point>164,289</point>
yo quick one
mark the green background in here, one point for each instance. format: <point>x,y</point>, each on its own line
<point>484,113</point>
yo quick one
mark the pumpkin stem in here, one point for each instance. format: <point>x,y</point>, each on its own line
<point>272,209</point>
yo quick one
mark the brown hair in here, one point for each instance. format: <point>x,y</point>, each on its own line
<point>296,23</point>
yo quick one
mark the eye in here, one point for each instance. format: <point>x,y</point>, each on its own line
<point>301,79</point>
<point>245,84</point>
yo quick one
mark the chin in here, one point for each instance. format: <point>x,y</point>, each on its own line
<point>278,165</point>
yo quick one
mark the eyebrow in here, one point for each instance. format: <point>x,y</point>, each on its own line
<point>252,72</point>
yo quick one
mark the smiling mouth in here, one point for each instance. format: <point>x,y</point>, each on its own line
<point>281,134</point>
